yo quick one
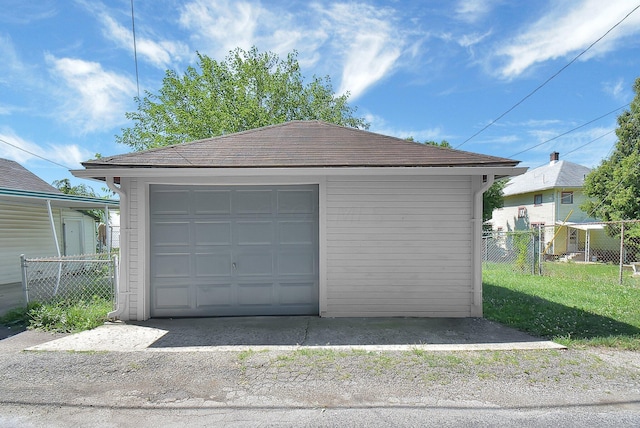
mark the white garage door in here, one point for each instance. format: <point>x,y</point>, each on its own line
<point>233,250</point>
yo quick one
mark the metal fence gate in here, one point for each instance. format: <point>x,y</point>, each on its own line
<point>76,278</point>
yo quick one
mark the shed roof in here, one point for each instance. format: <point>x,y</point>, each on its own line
<point>299,144</point>
<point>557,174</point>
<point>19,184</point>
<point>15,176</point>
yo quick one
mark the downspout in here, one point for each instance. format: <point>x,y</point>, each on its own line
<point>121,288</point>
<point>55,239</point>
<point>107,229</point>
<point>477,244</point>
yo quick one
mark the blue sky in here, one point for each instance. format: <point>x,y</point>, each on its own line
<point>433,70</point>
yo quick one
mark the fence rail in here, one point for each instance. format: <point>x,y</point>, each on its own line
<point>77,278</point>
<point>535,250</point>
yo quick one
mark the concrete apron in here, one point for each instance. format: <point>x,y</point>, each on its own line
<point>291,333</point>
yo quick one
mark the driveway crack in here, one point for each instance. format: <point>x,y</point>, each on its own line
<point>306,333</point>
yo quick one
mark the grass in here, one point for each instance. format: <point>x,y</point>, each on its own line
<point>574,304</point>
<point>60,316</point>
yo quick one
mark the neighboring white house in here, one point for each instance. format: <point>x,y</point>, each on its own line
<point>303,217</point>
<point>33,212</point>
<point>549,197</point>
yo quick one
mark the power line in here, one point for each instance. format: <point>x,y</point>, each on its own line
<point>33,154</point>
<point>579,147</point>
<point>569,131</point>
<point>548,80</point>
<point>135,50</point>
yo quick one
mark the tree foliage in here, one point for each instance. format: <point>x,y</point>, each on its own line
<point>493,198</point>
<point>81,189</point>
<point>614,186</point>
<point>247,90</point>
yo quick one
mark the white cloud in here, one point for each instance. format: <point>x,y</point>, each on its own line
<point>219,27</point>
<point>161,54</point>
<point>473,10</point>
<point>616,89</point>
<point>12,69</point>
<point>380,126</point>
<point>568,28</point>
<point>367,42</point>
<point>223,25</point>
<point>93,99</point>
<point>18,150</point>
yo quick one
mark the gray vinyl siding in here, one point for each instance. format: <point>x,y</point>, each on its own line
<point>399,246</point>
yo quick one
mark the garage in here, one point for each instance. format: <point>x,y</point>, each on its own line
<point>233,250</point>
<point>302,217</point>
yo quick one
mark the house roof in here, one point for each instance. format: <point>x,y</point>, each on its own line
<point>556,174</point>
<point>15,176</point>
<point>19,184</point>
<point>299,144</point>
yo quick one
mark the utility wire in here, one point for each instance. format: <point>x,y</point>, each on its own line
<point>548,80</point>
<point>579,147</point>
<point>135,50</point>
<point>33,154</point>
<point>569,131</point>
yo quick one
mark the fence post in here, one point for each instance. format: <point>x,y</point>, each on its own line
<point>23,269</point>
<point>540,246</point>
<point>621,252</point>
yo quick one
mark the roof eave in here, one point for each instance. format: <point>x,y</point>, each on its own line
<point>102,173</point>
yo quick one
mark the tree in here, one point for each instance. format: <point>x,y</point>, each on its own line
<point>81,189</point>
<point>247,90</point>
<point>614,186</point>
<point>492,199</point>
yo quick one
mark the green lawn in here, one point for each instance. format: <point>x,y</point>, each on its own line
<point>573,304</point>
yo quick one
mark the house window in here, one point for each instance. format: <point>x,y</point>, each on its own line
<point>537,199</point>
<point>566,198</point>
<point>539,227</point>
<point>522,212</point>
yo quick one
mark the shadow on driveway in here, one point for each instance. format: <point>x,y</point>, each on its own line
<point>315,331</point>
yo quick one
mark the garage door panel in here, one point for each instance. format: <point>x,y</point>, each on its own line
<point>172,265</point>
<point>297,232</point>
<point>172,297</point>
<point>171,233</point>
<point>170,202</point>
<point>296,202</point>
<point>213,264</point>
<point>254,263</point>
<point>296,263</point>
<point>297,293</point>
<point>253,202</point>
<point>214,296</point>
<point>217,202</point>
<point>255,294</point>
<point>212,232</point>
<point>254,232</point>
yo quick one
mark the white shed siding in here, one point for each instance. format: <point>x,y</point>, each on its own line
<point>399,246</point>
<point>136,284</point>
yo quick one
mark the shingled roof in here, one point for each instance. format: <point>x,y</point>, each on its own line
<point>15,176</point>
<point>299,144</point>
<point>559,174</point>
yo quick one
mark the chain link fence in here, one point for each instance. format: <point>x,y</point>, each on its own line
<point>615,246</point>
<point>73,278</point>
